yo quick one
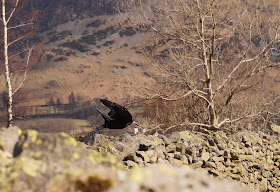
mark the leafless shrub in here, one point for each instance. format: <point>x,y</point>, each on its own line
<point>209,59</point>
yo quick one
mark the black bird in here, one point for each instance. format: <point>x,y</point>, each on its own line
<point>118,117</point>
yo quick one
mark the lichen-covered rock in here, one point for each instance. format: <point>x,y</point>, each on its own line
<point>41,157</point>
<point>8,138</point>
<point>145,144</point>
<point>181,147</point>
<point>130,164</point>
<point>165,139</point>
<point>209,164</point>
<point>94,180</point>
<point>175,137</point>
<point>143,155</point>
<point>171,148</point>
<point>157,178</point>
<point>165,178</point>
<point>205,156</point>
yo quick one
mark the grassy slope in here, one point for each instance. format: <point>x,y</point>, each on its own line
<point>102,75</point>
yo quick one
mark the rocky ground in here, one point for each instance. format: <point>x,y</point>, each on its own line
<point>252,158</point>
<point>182,161</point>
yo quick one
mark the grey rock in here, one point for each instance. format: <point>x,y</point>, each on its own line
<point>159,153</point>
<point>181,147</point>
<point>129,157</point>
<point>139,161</point>
<point>196,159</point>
<point>164,161</point>
<point>165,139</point>
<point>189,151</point>
<point>190,158</point>
<point>170,155</point>
<point>239,155</point>
<point>217,159</point>
<point>197,164</point>
<point>145,144</point>
<point>127,138</point>
<point>220,167</point>
<point>130,164</point>
<point>184,159</point>
<point>152,156</point>
<point>227,154</point>
<point>215,149</point>
<point>266,174</point>
<point>263,185</point>
<point>175,137</point>
<point>221,146</point>
<point>143,155</point>
<point>8,138</point>
<point>210,164</point>
<point>235,177</point>
<point>205,156</point>
<point>171,148</point>
<point>91,138</point>
<point>175,162</point>
<point>177,155</point>
<point>234,156</point>
<point>166,178</point>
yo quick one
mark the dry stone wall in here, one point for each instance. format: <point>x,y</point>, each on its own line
<point>183,161</point>
<point>252,158</point>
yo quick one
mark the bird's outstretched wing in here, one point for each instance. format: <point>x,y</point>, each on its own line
<point>116,110</point>
<point>106,117</point>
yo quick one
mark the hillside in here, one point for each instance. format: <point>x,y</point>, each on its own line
<point>90,56</point>
<point>55,12</point>
<point>80,47</point>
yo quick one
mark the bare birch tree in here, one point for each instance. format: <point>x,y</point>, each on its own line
<point>8,41</point>
<point>210,54</point>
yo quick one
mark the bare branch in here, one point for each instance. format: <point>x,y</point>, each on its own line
<point>16,40</point>
<point>14,55</point>
<point>25,71</point>
<point>21,25</point>
<point>13,11</point>
<point>172,99</point>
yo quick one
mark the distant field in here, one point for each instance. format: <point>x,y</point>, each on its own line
<point>67,125</point>
<point>82,125</point>
<point>50,125</point>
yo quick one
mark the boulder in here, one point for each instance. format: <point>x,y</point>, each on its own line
<point>38,158</point>
<point>8,138</point>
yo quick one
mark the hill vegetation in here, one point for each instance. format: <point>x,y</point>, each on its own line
<point>139,54</point>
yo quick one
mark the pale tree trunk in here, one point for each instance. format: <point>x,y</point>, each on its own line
<point>7,71</point>
<point>5,19</point>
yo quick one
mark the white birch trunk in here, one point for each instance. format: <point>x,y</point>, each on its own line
<point>7,71</point>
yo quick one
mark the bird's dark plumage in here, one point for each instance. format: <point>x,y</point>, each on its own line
<point>118,116</point>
